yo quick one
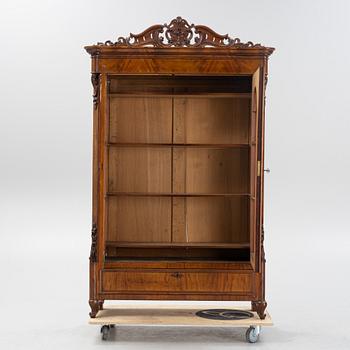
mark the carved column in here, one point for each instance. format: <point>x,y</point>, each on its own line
<point>93,250</point>
<point>95,80</point>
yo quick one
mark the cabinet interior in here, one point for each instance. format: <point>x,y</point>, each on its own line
<point>179,156</point>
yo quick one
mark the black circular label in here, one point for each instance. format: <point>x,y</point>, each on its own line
<point>224,314</point>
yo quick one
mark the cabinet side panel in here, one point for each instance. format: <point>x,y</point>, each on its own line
<point>95,78</point>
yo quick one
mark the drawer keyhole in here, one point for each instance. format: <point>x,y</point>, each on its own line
<point>176,274</point>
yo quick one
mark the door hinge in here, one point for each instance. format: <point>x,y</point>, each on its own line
<point>259,168</point>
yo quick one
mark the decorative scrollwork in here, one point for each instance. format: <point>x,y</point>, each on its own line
<point>179,33</point>
<point>93,251</point>
<point>259,306</point>
<point>95,80</point>
<point>266,78</point>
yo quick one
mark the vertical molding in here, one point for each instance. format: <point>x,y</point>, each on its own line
<point>103,166</point>
<point>95,80</point>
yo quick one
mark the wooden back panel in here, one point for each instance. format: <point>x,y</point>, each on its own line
<point>151,126</point>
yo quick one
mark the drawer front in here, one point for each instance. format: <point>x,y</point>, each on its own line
<point>176,281</point>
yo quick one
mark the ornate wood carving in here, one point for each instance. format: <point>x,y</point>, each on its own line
<point>179,33</point>
<point>93,251</point>
<point>259,306</point>
<point>95,80</point>
<point>96,306</point>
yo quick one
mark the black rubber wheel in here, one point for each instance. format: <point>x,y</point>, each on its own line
<point>252,335</point>
<point>105,332</point>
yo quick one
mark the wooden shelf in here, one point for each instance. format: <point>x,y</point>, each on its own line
<point>194,145</point>
<point>170,194</point>
<point>181,95</point>
<point>175,245</point>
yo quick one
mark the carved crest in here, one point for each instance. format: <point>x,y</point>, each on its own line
<point>179,33</point>
<point>93,251</point>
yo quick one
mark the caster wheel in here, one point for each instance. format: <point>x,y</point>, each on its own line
<point>252,334</point>
<point>105,332</point>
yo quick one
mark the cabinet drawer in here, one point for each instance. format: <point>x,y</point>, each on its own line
<point>176,281</point>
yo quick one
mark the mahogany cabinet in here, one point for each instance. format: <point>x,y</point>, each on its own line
<point>178,157</point>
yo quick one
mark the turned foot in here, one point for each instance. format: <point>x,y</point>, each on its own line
<point>96,306</point>
<point>259,307</point>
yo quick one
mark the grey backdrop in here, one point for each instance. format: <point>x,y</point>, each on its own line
<point>45,145</point>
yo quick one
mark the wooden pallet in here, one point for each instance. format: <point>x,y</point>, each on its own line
<point>173,315</point>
